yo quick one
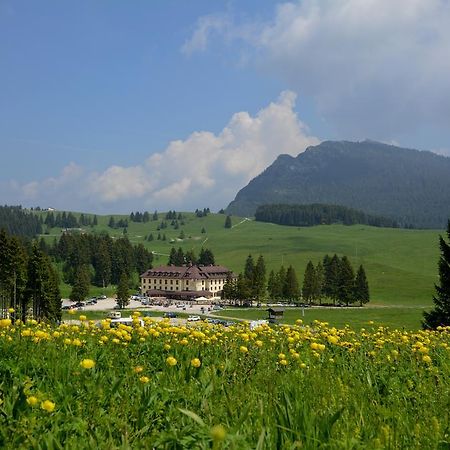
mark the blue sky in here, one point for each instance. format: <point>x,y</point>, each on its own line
<point>109,106</point>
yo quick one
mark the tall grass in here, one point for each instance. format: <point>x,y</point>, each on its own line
<point>161,386</point>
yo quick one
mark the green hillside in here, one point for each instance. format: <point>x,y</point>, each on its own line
<point>401,264</point>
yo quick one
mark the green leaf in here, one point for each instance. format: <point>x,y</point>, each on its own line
<point>193,416</point>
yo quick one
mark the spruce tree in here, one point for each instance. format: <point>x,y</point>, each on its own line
<point>346,282</point>
<point>271,284</point>
<point>228,223</point>
<point>291,287</point>
<point>123,296</point>
<point>206,257</point>
<point>309,281</point>
<point>229,289</point>
<point>361,292</point>
<point>280,282</point>
<point>319,283</point>
<point>173,257</point>
<point>80,287</point>
<point>440,315</point>
<point>259,279</point>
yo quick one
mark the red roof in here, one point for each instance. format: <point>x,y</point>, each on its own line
<point>188,272</point>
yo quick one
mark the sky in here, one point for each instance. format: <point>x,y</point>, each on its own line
<point>113,106</point>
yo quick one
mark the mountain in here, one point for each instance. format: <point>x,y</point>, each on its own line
<point>410,186</point>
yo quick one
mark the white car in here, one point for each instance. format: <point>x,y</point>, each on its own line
<point>194,318</point>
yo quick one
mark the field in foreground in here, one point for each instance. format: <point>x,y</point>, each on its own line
<point>160,386</point>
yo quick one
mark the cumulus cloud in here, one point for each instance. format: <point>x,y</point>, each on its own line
<point>374,68</point>
<point>205,169</point>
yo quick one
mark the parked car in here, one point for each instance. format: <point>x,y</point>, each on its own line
<point>170,315</point>
<point>101,297</point>
<point>125,321</point>
<point>194,318</point>
<point>114,315</point>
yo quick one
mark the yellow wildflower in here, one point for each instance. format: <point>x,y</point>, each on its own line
<point>218,433</point>
<point>195,362</point>
<point>171,361</point>
<point>48,405</point>
<point>87,363</point>
<point>32,400</point>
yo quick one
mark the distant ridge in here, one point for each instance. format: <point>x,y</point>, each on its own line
<point>406,185</point>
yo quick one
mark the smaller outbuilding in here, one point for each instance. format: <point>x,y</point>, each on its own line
<point>275,314</point>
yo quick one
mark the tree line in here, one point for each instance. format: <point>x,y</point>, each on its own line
<point>69,220</point>
<point>97,259</point>
<point>29,285</point>
<point>318,214</point>
<point>180,258</point>
<point>19,222</point>
<point>331,281</point>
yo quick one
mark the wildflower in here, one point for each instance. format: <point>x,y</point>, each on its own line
<point>144,379</point>
<point>87,363</point>
<point>171,361</point>
<point>243,349</point>
<point>10,310</point>
<point>83,318</point>
<point>32,400</point>
<point>167,347</point>
<point>72,312</point>
<point>283,362</point>
<point>333,339</point>
<point>259,343</point>
<point>48,405</point>
<point>426,359</point>
<point>196,362</point>
<point>218,433</point>
<point>138,369</point>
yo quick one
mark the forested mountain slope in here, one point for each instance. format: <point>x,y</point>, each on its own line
<point>409,186</point>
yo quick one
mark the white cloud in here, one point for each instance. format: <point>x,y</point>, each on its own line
<point>206,169</point>
<point>205,27</point>
<point>374,68</point>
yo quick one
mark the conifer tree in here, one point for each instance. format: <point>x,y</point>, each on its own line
<point>259,279</point>
<point>346,282</point>
<point>112,222</point>
<point>280,282</point>
<point>291,287</point>
<point>440,315</point>
<point>309,282</point>
<point>271,284</point>
<point>123,296</point>
<point>172,257</point>
<point>80,287</point>
<point>319,283</point>
<point>206,257</point>
<point>228,223</point>
<point>361,292</point>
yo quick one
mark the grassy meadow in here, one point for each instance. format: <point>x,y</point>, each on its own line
<point>401,265</point>
<point>161,386</point>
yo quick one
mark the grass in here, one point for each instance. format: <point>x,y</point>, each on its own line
<point>401,264</point>
<point>393,317</point>
<point>205,387</point>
